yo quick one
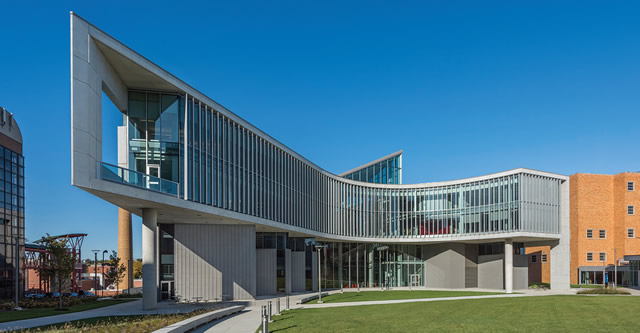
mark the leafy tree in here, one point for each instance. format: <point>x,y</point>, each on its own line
<point>58,263</point>
<point>137,269</point>
<point>117,271</point>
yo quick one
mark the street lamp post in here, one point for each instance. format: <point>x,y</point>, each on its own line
<point>95,271</point>
<point>105,280</point>
<point>318,247</point>
<point>17,275</point>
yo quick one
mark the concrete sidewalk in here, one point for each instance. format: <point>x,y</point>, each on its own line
<point>250,319</point>
<point>124,309</point>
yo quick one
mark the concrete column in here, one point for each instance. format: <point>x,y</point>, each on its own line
<point>149,264</point>
<point>508,266</point>
<point>560,257</point>
<point>125,249</point>
<point>371,267</point>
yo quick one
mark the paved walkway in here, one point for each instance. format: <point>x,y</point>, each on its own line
<point>249,320</point>
<point>123,309</point>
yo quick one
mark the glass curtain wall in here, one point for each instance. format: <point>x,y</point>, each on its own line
<point>353,265</point>
<point>230,167</point>
<point>154,130</point>
<point>388,171</point>
<point>11,218</point>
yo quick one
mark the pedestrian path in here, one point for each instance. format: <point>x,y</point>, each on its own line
<point>250,319</point>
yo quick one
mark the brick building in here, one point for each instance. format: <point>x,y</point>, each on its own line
<point>604,228</point>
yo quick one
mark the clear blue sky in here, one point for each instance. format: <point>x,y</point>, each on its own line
<point>464,88</point>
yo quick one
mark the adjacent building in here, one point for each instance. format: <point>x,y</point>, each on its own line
<point>604,226</point>
<point>11,205</point>
<point>231,213</point>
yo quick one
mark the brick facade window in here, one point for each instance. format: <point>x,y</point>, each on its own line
<point>631,233</point>
<point>603,233</point>
<point>589,256</point>
<point>631,210</point>
<point>631,186</point>
<point>603,256</point>
<point>544,257</point>
<point>589,233</point>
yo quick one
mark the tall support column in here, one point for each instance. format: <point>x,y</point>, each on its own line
<point>125,248</point>
<point>149,265</point>
<point>508,266</point>
<point>561,249</point>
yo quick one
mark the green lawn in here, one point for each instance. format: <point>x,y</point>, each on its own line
<point>518,314</point>
<point>353,296</point>
<point>44,312</point>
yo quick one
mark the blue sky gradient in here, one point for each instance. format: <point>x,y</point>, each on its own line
<point>464,88</point>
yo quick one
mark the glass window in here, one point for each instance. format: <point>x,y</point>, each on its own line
<point>589,233</point>
<point>589,256</point>
<point>534,258</point>
<point>603,256</point>
<point>603,234</point>
<point>169,124</point>
<point>631,233</point>
<point>631,186</point>
<point>631,210</point>
<point>544,257</point>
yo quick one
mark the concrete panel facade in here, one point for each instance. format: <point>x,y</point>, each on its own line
<point>215,261</point>
<point>287,270</point>
<point>314,271</point>
<point>298,271</point>
<point>471,266</point>
<point>445,266</point>
<point>520,272</point>
<point>491,271</point>
<point>266,276</point>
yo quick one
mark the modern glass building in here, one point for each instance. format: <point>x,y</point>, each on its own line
<point>230,212</point>
<point>11,205</point>
<point>386,170</point>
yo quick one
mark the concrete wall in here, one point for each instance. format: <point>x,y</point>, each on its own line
<point>445,266</point>
<point>471,266</point>
<point>215,260</point>
<point>287,271</point>
<point>520,272</point>
<point>298,271</point>
<point>267,271</point>
<point>91,74</point>
<point>491,271</point>
<point>314,271</point>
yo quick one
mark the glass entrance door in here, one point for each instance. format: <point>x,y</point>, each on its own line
<point>166,290</point>
<point>153,170</point>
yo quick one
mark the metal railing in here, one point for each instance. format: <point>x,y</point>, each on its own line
<point>116,174</point>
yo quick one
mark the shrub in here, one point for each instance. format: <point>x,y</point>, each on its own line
<point>603,291</point>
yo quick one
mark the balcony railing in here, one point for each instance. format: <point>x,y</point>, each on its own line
<point>116,174</point>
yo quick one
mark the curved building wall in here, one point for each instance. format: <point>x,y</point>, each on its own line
<point>185,160</point>
<point>228,166</point>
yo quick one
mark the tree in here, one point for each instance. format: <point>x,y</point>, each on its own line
<point>137,269</point>
<point>58,263</point>
<point>117,271</point>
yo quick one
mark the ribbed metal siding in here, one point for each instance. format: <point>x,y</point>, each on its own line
<point>298,271</point>
<point>266,269</point>
<point>212,261</point>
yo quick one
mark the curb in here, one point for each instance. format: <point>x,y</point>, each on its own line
<point>193,322</point>
<point>310,298</point>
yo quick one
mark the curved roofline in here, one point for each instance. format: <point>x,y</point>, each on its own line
<point>398,153</point>
<point>182,87</point>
